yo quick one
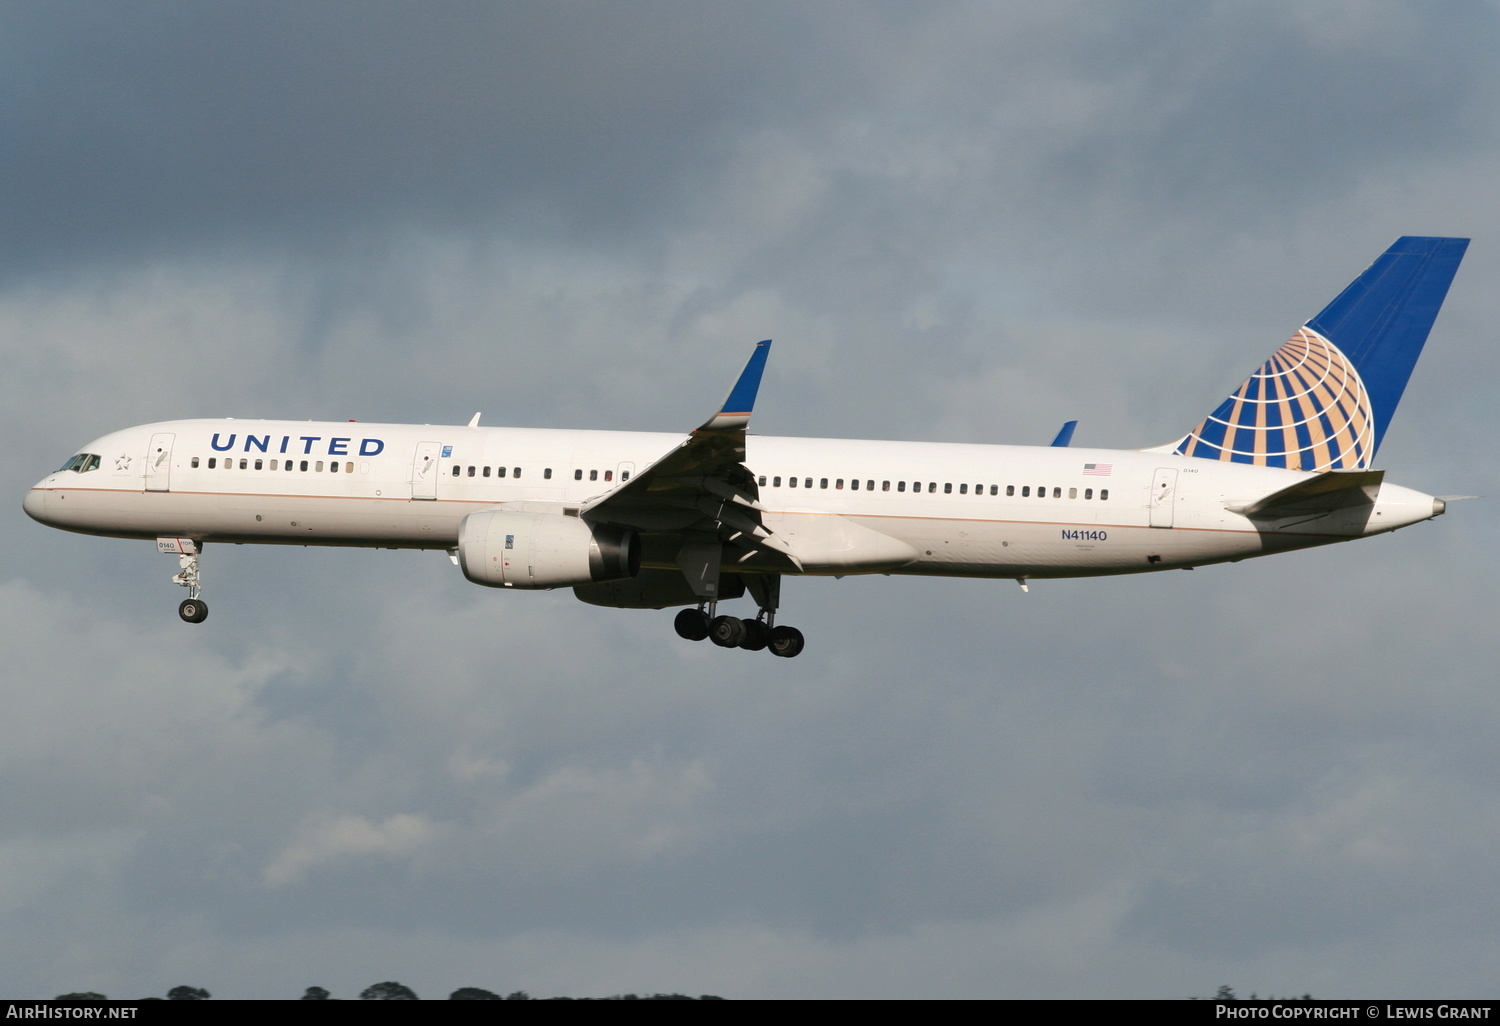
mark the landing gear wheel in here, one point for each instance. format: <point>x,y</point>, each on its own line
<point>193,610</point>
<point>757,635</point>
<point>691,624</point>
<point>785,642</point>
<point>727,631</point>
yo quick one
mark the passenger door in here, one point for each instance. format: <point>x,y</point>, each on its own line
<point>1163,494</point>
<point>159,463</point>
<point>424,471</point>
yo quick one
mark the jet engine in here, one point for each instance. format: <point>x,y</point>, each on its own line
<point>500,549</point>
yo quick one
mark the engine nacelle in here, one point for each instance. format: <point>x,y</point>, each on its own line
<point>500,549</point>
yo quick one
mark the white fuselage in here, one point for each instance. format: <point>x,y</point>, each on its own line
<point>857,506</point>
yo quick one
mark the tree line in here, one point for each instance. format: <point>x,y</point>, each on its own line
<point>390,990</point>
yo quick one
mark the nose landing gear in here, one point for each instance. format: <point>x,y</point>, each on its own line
<point>193,609</point>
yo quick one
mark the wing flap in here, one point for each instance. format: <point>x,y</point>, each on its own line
<point>703,484</point>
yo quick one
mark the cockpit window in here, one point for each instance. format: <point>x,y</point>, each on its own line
<point>83,462</point>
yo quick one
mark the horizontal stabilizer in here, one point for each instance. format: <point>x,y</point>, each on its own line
<point>1334,490</point>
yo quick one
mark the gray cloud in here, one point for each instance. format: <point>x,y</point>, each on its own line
<point>964,221</point>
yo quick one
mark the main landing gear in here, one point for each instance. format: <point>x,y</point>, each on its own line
<point>193,609</point>
<point>733,632</point>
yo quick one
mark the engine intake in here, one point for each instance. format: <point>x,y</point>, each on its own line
<point>501,549</point>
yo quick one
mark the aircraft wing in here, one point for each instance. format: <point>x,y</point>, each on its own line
<point>1330,491</point>
<point>703,483</point>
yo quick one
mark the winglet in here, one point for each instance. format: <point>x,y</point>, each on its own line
<point>1065,436</point>
<point>735,412</point>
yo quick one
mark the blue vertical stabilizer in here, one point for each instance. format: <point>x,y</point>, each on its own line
<point>1323,401</point>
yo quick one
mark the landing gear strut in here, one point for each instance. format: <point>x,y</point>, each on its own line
<point>193,609</point>
<point>733,632</point>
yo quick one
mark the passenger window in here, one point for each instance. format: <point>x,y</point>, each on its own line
<point>885,486</point>
<point>823,482</point>
<point>1057,493</point>
<point>1010,489</point>
<point>931,486</point>
<point>577,475</point>
<point>994,489</point>
<point>195,463</point>
<point>593,475</point>
<point>304,465</point>
<point>963,489</point>
<point>516,472</point>
<point>318,468</point>
<point>288,465</point>
<point>854,485</point>
<point>839,483</point>
<point>900,486</point>
<point>499,471</point>
<point>1088,493</point>
<point>791,482</point>
<point>212,462</point>
<point>1072,493</point>
<point>333,467</point>
<point>349,467</point>
<point>609,475</point>
<point>947,488</point>
<point>1103,494</point>
<point>761,480</point>
<point>259,465</point>
<point>471,470</point>
<point>456,470</point>
<point>1025,491</point>
<point>485,472</point>
<point>546,474</point>
<point>807,482</point>
<point>273,464</point>
<point>1041,493</point>
<point>869,486</point>
<point>775,482</point>
<point>244,464</point>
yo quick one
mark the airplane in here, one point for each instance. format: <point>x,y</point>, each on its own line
<point>653,521</point>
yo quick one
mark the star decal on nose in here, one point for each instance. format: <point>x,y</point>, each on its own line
<point>122,462</point>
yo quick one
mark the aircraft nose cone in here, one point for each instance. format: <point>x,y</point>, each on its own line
<point>35,504</point>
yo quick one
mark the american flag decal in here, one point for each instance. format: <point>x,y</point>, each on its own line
<point>1098,469</point>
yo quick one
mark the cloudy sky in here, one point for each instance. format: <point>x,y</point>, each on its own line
<point>964,221</point>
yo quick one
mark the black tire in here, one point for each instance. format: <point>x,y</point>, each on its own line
<point>691,624</point>
<point>757,635</point>
<point>193,610</point>
<point>727,631</point>
<point>786,642</point>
